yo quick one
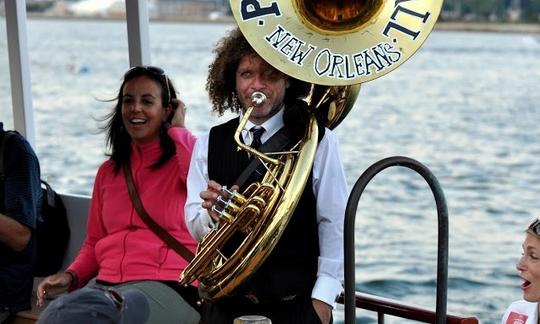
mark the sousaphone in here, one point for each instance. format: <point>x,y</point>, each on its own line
<point>335,45</point>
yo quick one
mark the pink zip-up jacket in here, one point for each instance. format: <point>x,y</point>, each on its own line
<point>119,247</point>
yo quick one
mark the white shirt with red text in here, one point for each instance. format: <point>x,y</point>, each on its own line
<point>521,312</point>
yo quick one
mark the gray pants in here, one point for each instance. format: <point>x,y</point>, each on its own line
<point>166,306</point>
<point>3,316</point>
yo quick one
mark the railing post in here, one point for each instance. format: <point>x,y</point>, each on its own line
<point>19,69</point>
<point>138,34</point>
<point>350,217</point>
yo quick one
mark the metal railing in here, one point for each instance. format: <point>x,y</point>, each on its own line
<point>349,233</point>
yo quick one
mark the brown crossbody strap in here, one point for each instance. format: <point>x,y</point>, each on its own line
<point>158,230</point>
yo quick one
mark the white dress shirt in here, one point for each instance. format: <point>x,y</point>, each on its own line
<point>329,187</point>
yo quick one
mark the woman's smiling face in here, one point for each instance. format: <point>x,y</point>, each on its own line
<point>529,268</point>
<point>142,111</point>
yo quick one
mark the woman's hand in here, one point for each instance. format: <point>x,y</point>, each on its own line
<point>52,286</point>
<point>323,310</point>
<point>179,113</point>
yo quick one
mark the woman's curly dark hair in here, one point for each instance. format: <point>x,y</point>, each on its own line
<point>221,82</point>
<point>118,139</point>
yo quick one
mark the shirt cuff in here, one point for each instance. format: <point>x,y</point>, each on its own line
<point>327,289</point>
<point>74,280</point>
<point>203,225</point>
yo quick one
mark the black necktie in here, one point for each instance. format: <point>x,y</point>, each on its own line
<point>257,133</point>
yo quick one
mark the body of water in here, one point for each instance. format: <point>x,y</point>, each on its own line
<point>466,106</point>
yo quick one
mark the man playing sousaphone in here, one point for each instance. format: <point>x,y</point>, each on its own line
<point>300,279</point>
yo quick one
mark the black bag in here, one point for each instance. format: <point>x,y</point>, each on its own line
<point>52,231</point>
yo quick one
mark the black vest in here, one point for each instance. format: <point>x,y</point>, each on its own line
<point>291,268</point>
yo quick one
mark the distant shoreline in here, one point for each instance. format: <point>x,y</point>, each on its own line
<point>526,28</point>
<point>520,28</point>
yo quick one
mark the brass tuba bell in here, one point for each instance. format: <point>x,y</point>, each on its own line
<point>335,45</point>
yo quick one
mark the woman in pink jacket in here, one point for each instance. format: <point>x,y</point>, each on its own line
<point>146,132</point>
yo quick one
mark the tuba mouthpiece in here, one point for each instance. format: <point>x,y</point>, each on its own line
<point>258,98</point>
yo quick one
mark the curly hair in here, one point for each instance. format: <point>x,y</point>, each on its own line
<point>221,81</point>
<point>118,139</point>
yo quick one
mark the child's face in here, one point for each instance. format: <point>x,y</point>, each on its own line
<point>529,268</point>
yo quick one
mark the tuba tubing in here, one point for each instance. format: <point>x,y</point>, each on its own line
<point>219,275</point>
